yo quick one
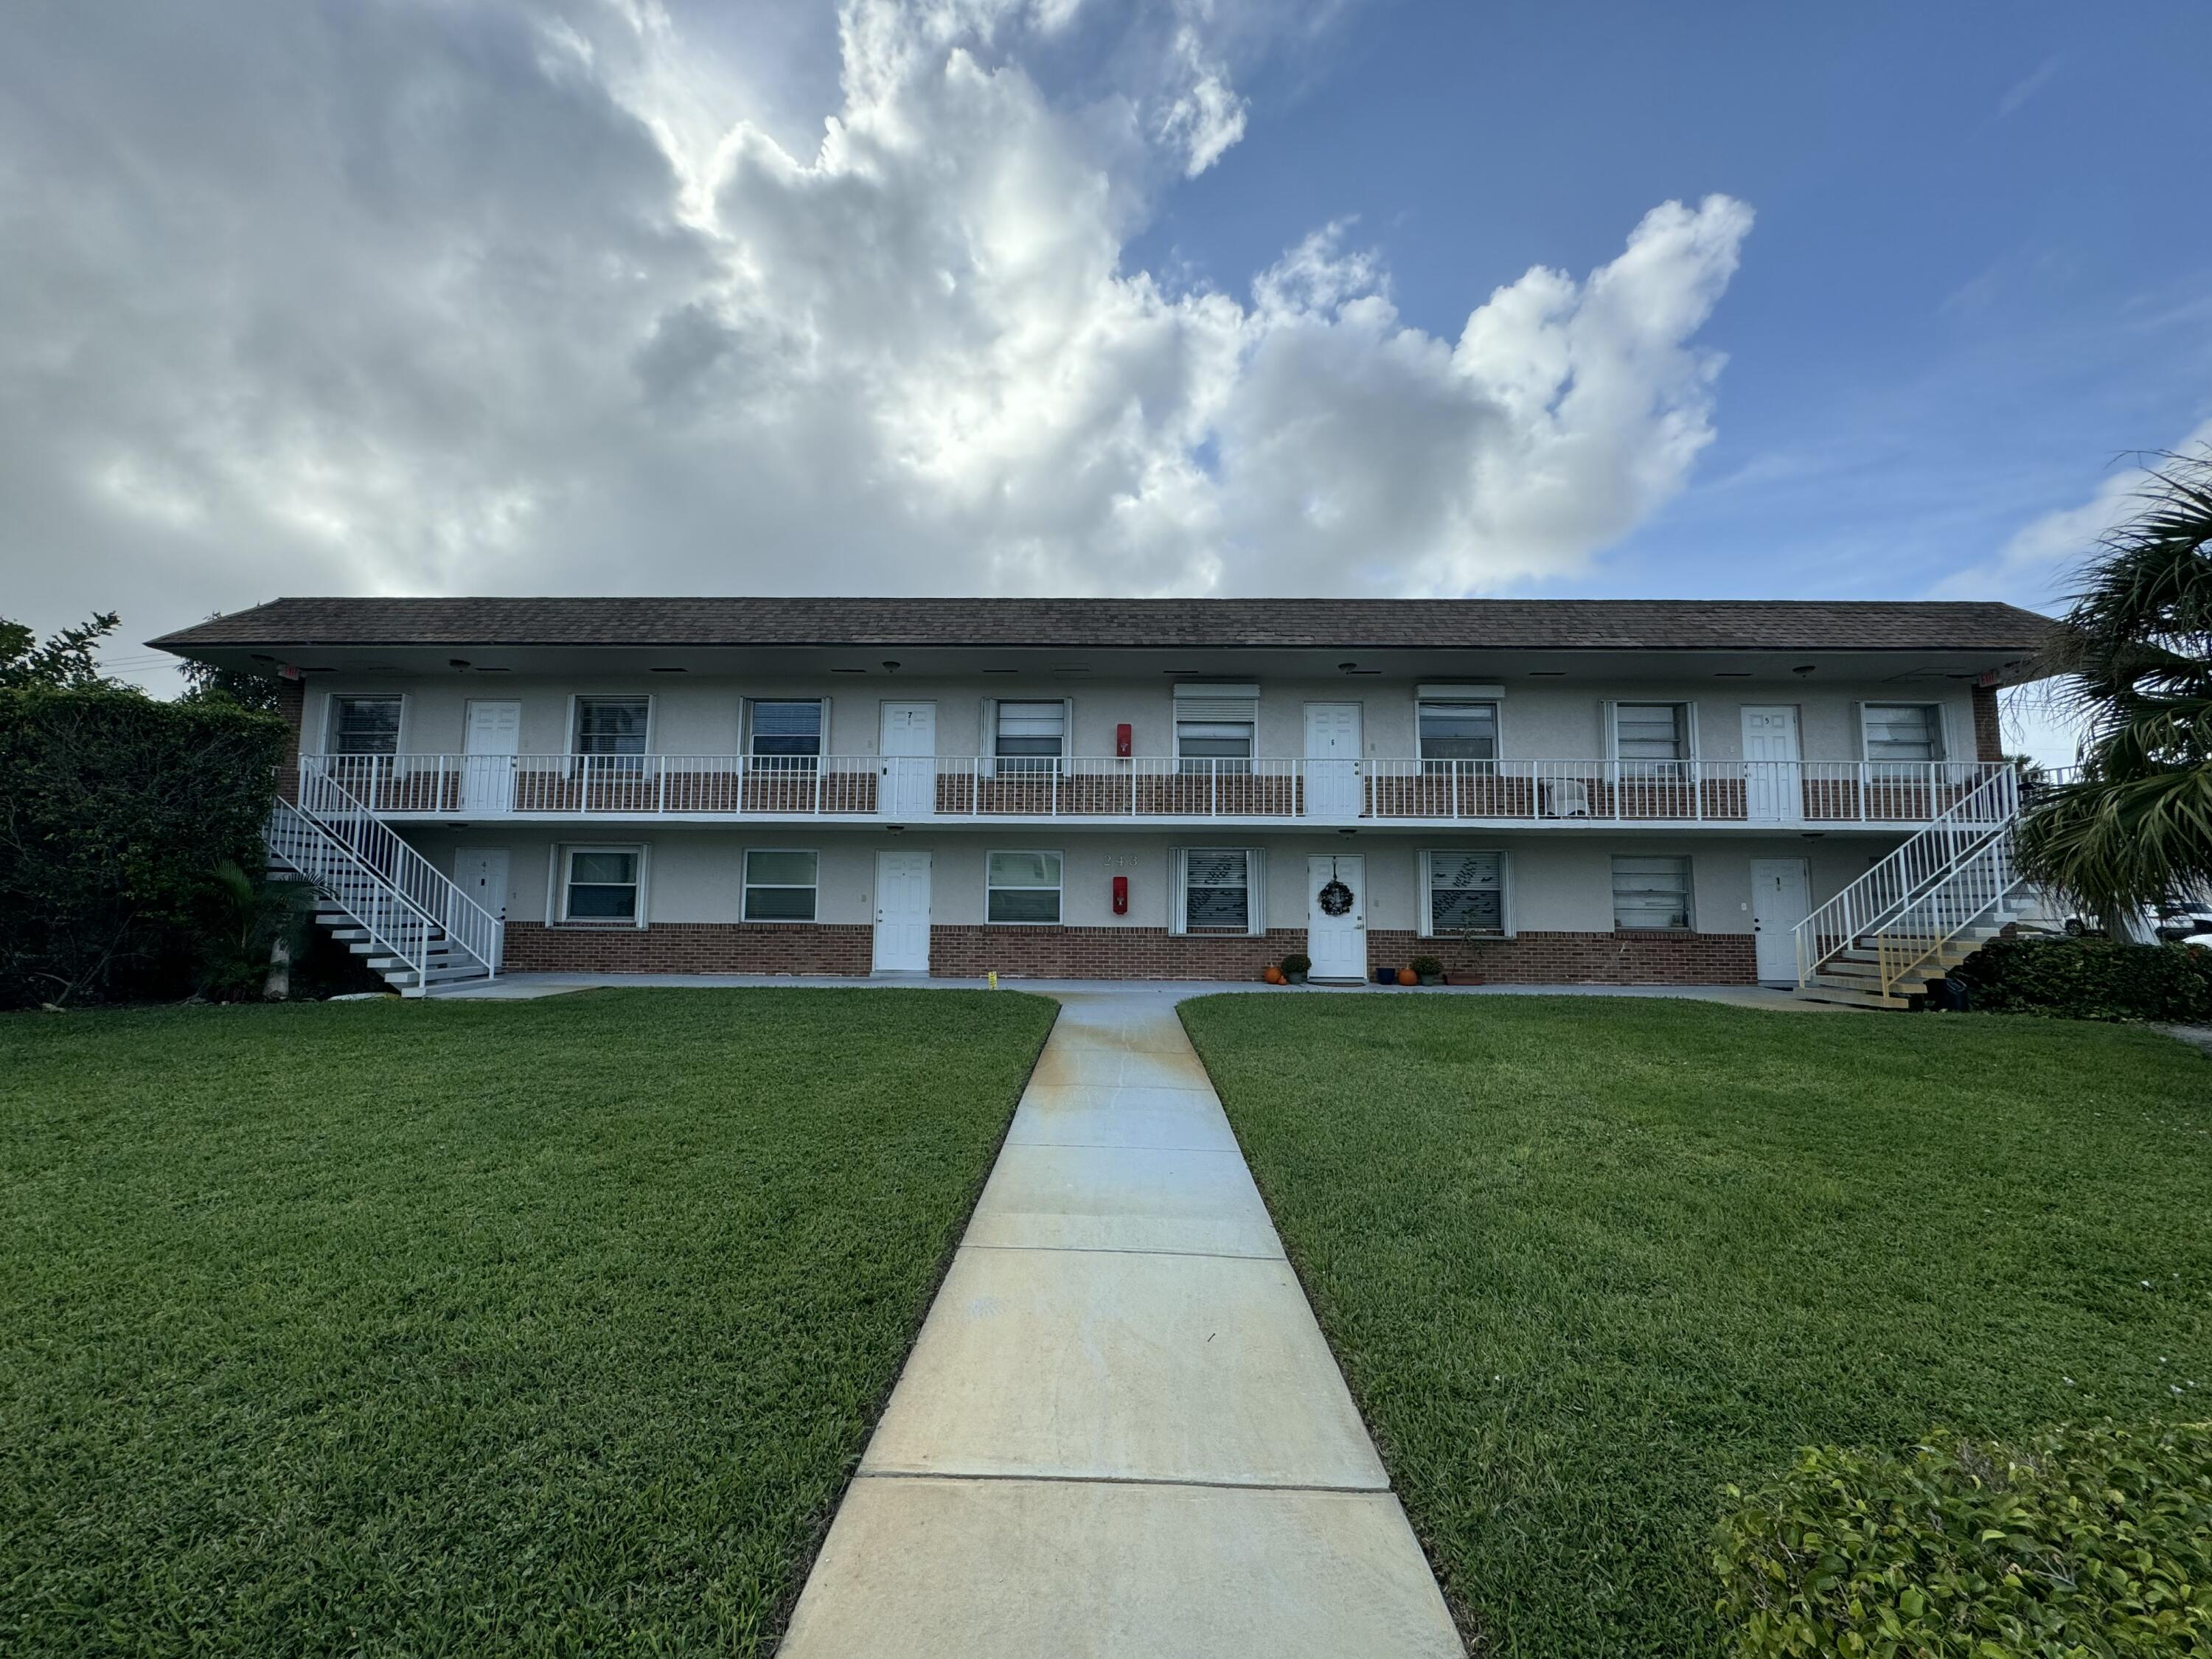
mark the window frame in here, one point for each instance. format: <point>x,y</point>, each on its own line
<point>1025,765</point>
<point>747,885</point>
<point>612,760</point>
<point>748,735</point>
<point>1218,765</point>
<point>1939,733</point>
<point>1689,890</point>
<point>563,880</point>
<point>1255,897</point>
<point>332,702</point>
<point>1429,929</point>
<point>1650,769</point>
<point>1439,762</point>
<point>1058,890</point>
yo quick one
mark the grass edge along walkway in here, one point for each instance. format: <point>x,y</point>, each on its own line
<point>1584,1261</point>
<point>508,1327</point>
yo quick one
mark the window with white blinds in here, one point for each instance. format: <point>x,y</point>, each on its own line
<point>1903,731</point>
<point>1029,736</point>
<point>1650,893</point>
<point>1216,727</point>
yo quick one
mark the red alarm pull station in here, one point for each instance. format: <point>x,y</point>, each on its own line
<point>1122,888</point>
<point>1122,741</point>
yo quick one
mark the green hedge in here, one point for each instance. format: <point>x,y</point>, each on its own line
<point>115,812</point>
<point>2091,978</point>
<point>2088,1541</point>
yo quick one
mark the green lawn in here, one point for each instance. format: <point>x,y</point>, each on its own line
<point>1586,1260</point>
<point>464,1327</point>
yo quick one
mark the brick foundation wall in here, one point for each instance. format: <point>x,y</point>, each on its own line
<point>1530,959</point>
<point>690,947</point>
<point>1581,958</point>
<point>969,952</point>
<point>1989,731</point>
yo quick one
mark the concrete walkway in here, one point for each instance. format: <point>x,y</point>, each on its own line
<point>1120,1432</point>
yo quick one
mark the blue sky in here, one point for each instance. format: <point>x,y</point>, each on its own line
<point>1981,271</point>
<point>1039,296</point>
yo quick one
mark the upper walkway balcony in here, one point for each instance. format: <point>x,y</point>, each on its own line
<point>1103,792</point>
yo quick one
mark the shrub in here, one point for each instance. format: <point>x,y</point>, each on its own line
<point>1427,967</point>
<point>2086,1541</point>
<point>116,813</point>
<point>2091,978</point>
<point>1295,964</point>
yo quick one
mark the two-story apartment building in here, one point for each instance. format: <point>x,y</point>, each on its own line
<point>1539,790</point>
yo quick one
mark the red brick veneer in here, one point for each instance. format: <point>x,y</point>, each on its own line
<point>969,952</point>
<point>965,952</point>
<point>1988,728</point>
<point>691,947</point>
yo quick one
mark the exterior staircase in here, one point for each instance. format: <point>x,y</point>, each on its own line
<point>380,896</point>
<point>1922,910</point>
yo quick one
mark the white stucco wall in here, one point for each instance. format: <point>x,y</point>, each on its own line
<point>1541,720</point>
<point>1559,880</point>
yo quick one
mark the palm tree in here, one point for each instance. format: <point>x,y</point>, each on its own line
<point>2138,650</point>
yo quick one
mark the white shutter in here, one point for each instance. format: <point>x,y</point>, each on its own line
<point>1255,890</point>
<point>1178,892</point>
<point>1505,894</point>
<point>825,734</point>
<point>1067,737</point>
<point>1858,724</point>
<point>1611,728</point>
<point>1690,729</point>
<point>1426,899</point>
<point>988,746</point>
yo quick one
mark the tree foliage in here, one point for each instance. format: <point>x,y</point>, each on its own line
<point>116,813</point>
<point>2138,650</point>
<point>68,660</point>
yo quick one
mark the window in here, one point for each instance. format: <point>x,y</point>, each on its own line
<point>601,884</point>
<point>612,726</point>
<point>1022,887</point>
<point>1904,732</point>
<point>1651,731</point>
<point>1451,732</point>
<point>364,726</point>
<point>789,732</point>
<point>1214,726</point>
<point>781,884</point>
<point>1216,890</point>
<point>1467,892</point>
<point>1650,893</point>
<point>1030,737</point>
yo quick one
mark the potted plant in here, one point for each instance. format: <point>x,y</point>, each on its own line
<point>1296,968</point>
<point>1430,971</point>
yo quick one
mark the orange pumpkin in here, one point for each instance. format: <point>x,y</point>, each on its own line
<point>1271,974</point>
<point>1407,976</point>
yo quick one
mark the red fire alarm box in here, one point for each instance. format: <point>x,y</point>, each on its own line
<point>1122,888</point>
<point>1122,741</point>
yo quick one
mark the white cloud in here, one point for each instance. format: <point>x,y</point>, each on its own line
<point>2040,558</point>
<point>508,297</point>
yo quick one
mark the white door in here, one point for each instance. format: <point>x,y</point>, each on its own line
<point>1780,899</point>
<point>494,736</point>
<point>909,748</point>
<point>1332,761</point>
<point>481,873</point>
<point>902,913</point>
<point>1771,792</point>
<point>1336,916</point>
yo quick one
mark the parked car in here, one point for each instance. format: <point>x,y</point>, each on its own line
<point>2183,920</point>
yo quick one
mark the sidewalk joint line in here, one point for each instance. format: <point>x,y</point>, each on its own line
<point>1126,1250</point>
<point>1124,1481</point>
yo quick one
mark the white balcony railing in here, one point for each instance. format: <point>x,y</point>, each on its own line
<point>904,789</point>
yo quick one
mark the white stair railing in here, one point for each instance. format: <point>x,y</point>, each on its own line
<point>1918,870</point>
<point>402,899</point>
<point>1909,943</point>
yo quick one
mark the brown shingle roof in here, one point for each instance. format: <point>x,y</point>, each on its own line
<point>1366,624</point>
